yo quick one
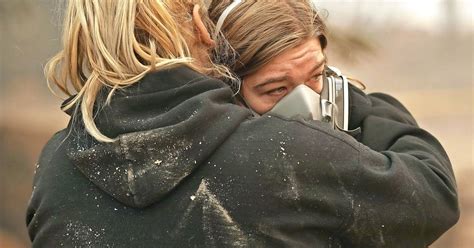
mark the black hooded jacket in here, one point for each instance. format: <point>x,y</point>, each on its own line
<point>192,169</point>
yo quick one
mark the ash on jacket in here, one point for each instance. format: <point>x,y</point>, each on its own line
<point>192,169</point>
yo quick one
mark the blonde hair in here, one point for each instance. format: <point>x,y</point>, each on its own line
<point>114,44</point>
<point>260,30</point>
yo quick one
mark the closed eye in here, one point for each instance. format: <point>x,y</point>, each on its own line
<point>277,91</point>
<point>318,76</point>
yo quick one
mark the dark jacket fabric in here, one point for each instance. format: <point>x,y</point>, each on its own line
<point>192,169</point>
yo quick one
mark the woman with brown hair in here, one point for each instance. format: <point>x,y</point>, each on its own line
<point>279,47</point>
<point>157,154</point>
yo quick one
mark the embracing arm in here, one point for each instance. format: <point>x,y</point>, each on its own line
<point>395,190</point>
<point>406,190</point>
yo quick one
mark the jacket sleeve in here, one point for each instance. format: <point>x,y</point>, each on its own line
<point>406,190</point>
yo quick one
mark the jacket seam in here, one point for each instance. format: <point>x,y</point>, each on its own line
<point>347,222</point>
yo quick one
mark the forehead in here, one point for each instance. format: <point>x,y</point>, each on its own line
<point>293,59</point>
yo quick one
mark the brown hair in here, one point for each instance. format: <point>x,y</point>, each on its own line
<point>260,30</point>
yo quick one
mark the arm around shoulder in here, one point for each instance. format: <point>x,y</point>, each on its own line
<point>405,189</point>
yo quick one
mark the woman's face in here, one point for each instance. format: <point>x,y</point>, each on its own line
<point>303,64</point>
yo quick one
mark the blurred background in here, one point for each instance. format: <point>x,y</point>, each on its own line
<point>420,51</point>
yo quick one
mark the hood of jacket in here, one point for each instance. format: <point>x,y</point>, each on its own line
<point>165,126</point>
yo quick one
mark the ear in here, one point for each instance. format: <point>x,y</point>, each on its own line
<point>203,33</point>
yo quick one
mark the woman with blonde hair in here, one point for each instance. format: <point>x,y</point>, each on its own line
<point>157,154</point>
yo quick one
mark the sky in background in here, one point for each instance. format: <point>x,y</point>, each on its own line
<point>422,14</point>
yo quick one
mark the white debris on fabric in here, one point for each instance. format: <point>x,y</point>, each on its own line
<point>219,227</point>
<point>82,235</point>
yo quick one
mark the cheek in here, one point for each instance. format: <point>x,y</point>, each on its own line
<point>316,85</point>
<point>255,102</point>
<point>262,107</point>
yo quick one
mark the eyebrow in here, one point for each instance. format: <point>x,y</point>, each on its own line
<point>319,64</point>
<point>271,80</point>
<point>285,77</point>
